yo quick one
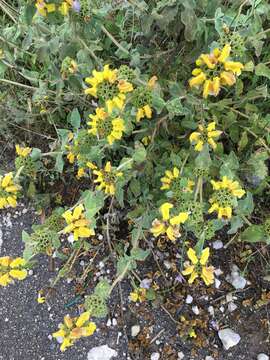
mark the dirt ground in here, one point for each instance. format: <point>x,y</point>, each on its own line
<point>26,326</point>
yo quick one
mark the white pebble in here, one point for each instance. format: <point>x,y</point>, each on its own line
<point>217,283</point>
<point>189,299</point>
<point>109,322</point>
<point>229,338</point>
<point>262,357</point>
<point>180,355</point>
<point>196,310</point>
<point>135,329</point>
<point>114,322</point>
<point>218,244</point>
<point>211,310</point>
<point>155,356</point>
<point>232,306</point>
<point>101,353</point>
<point>100,237</point>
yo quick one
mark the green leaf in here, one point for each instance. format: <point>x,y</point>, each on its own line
<point>59,163</point>
<point>236,223</point>
<point>102,289</point>
<point>93,202</point>
<point>246,206</point>
<point>35,154</point>
<point>26,238</point>
<point>262,70</point>
<point>158,103</point>
<point>75,118</point>
<point>253,234</point>
<point>139,254</point>
<point>203,160</point>
<point>243,141</point>
<point>139,154</point>
<point>125,264</point>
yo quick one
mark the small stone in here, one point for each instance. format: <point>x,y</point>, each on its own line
<point>196,310</point>
<point>167,264</point>
<point>222,309</point>
<point>101,353</point>
<point>30,272</point>
<point>217,283</point>
<point>109,323</point>
<point>218,272</point>
<point>181,355</point>
<point>229,338</point>
<point>155,356</point>
<point>218,244</point>
<point>209,358</point>
<point>114,322</point>
<point>135,329</point>
<point>232,306</point>
<point>238,282</point>
<point>189,299</point>
<point>211,310</point>
<point>262,357</point>
<point>82,263</point>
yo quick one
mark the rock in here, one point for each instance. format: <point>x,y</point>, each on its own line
<point>238,282</point>
<point>262,357</point>
<point>180,355</point>
<point>217,283</point>
<point>135,329</point>
<point>196,310</point>
<point>101,353</point>
<point>209,358</point>
<point>211,310</point>
<point>167,264</point>
<point>218,244</point>
<point>114,322</point>
<point>189,299</point>
<point>155,356</point>
<point>229,338</point>
<point>232,306</point>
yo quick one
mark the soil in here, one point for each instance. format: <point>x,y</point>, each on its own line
<point>26,326</point>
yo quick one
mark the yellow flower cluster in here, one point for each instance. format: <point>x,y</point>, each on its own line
<point>215,69</point>
<point>138,295</point>
<point>11,269</point>
<point>205,135</point>
<point>169,225</point>
<point>115,91</point>
<point>45,8</point>
<point>107,178</point>
<point>73,329</point>
<point>198,267</point>
<point>145,110</point>
<point>103,125</point>
<point>23,151</point>
<point>77,223</point>
<point>170,178</point>
<point>8,191</point>
<point>225,196</point>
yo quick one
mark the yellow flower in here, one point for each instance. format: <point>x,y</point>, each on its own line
<point>138,294</point>
<point>23,151</point>
<point>198,267</point>
<point>106,85</point>
<point>125,86</point>
<point>204,136</point>
<point>105,126</point>
<point>71,157</point>
<point>144,111</point>
<point>224,199</point>
<point>12,269</point>
<point>171,180</point>
<point>169,225</point>
<point>107,178</point>
<point>8,191</point>
<point>73,329</point>
<point>43,8</point>
<point>80,173</point>
<point>64,8</point>
<point>215,70</point>
<point>77,223</point>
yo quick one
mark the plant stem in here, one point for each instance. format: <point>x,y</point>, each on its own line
<point>114,40</point>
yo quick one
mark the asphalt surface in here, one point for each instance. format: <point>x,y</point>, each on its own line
<point>25,325</point>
